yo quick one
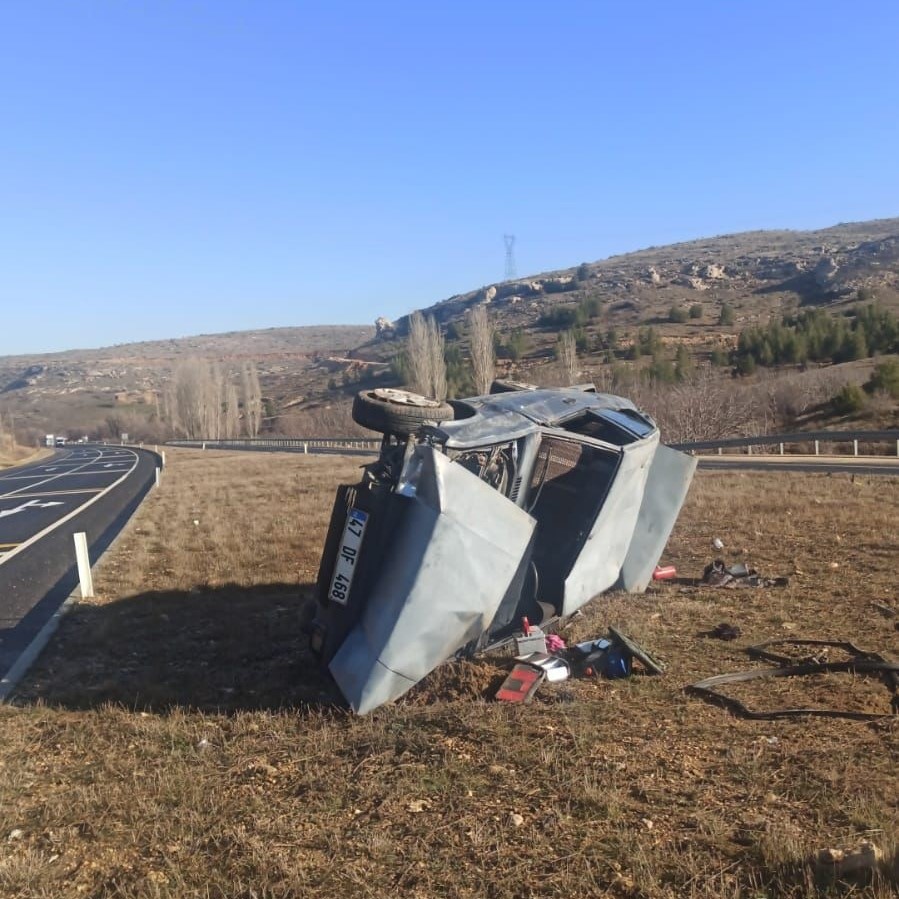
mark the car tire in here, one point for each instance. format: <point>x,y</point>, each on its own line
<point>391,411</point>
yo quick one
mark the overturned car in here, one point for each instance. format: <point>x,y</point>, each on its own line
<point>478,513</point>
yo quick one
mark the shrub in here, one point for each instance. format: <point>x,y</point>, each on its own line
<point>696,310</point>
<point>726,316</point>
<point>849,399</point>
<point>885,378</point>
<point>677,315</point>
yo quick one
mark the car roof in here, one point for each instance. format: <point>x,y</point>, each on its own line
<point>511,415</point>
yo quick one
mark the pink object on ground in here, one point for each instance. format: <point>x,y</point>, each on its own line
<point>664,573</point>
<point>554,643</point>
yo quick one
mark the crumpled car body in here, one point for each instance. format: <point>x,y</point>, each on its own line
<point>527,504</point>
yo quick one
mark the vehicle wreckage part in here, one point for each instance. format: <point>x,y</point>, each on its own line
<point>391,411</point>
<point>670,474</point>
<point>463,546</point>
<point>864,662</point>
<point>501,385</point>
<point>649,662</point>
<point>612,530</point>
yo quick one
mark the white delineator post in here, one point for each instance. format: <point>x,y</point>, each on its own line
<point>84,565</point>
<point>158,471</point>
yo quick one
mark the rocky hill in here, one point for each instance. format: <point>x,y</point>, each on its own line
<point>308,375</point>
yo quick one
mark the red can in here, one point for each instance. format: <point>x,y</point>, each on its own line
<point>664,573</point>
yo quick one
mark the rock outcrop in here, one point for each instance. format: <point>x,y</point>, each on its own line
<point>384,328</point>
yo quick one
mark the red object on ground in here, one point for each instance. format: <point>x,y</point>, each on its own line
<point>664,573</point>
<point>521,684</point>
<point>526,626</point>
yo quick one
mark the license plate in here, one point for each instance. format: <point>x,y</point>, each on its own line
<point>347,555</point>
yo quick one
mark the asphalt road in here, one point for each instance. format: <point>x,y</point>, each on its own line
<point>93,489</point>
<point>861,465</point>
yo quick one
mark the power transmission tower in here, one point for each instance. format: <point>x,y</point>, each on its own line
<point>509,240</point>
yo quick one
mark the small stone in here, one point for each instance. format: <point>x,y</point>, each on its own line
<point>16,834</point>
<point>647,823</point>
<point>516,819</point>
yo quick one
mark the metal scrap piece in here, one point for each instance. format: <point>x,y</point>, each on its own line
<point>863,662</point>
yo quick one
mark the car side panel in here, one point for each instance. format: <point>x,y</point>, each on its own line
<point>666,489</point>
<point>458,547</point>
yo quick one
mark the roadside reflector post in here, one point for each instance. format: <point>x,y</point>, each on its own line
<point>749,450</point>
<point>158,470</point>
<point>855,447</point>
<point>162,454</point>
<point>781,449</point>
<point>720,451</point>
<point>84,565</point>
<point>816,447</point>
<point>306,447</point>
<point>204,444</point>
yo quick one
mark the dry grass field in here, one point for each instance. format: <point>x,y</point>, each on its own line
<point>176,741</point>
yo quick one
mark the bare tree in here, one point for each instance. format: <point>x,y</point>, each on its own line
<point>198,402</point>
<point>437,355</point>
<point>419,354</point>
<point>567,356</point>
<point>483,354</point>
<point>231,413</point>
<point>252,400</point>
<point>427,363</point>
<point>707,407</point>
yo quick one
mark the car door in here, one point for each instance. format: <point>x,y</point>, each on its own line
<point>460,547</point>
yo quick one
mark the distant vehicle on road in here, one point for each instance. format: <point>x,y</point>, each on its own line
<point>50,440</point>
<point>61,441</point>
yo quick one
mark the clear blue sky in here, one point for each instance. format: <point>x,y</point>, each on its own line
<point>173,167</point>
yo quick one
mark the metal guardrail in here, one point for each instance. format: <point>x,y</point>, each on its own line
<point>284,444</point>
<point>815,438</point>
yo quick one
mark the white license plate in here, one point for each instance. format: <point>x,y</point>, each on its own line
<point>347,555</point>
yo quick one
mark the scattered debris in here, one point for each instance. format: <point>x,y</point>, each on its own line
<point>553,668</point>
<point>532,640</point>
<point>521,684</point>
<point>717,544</point>
<point>610,657</point>
<point>724,631</point>
<point>718,574</point>
<point>649,662</point>
<point>554,643</point>
<point>861,661</point>
<point>840,862</point>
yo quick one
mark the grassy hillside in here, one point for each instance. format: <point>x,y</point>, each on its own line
<point>640,319</point>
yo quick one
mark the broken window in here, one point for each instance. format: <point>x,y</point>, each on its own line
<point>568,487</point>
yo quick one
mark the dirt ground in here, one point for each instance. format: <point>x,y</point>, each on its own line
<point>176,740</point>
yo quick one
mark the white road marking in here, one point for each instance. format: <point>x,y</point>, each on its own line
<point>64,474</point>
<point>35,537</point>
<point>31,504</point>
